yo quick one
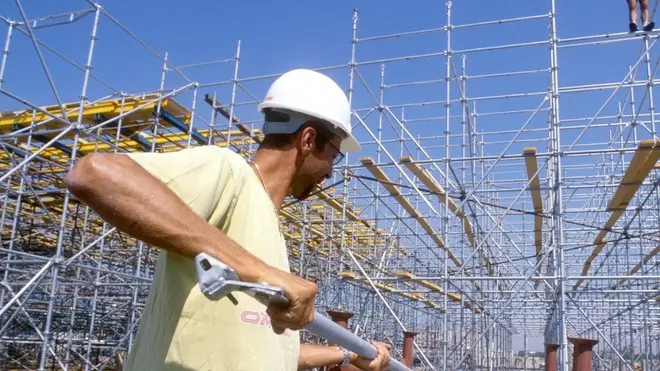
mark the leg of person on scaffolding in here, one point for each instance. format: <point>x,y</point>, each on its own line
<point>632,7</point>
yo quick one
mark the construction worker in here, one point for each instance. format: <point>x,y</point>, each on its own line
<point>632,9</point>
<point>210,199</point>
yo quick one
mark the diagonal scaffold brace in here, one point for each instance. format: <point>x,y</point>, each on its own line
<point>217,280</point>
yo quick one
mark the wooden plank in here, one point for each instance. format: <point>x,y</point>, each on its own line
<point>430,183</point>
<point>639,265</point>
<point>644,160</point>
<point>531,163</point>
<point>403,201</point>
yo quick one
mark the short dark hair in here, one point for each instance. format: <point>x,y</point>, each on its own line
<point>325,134</point>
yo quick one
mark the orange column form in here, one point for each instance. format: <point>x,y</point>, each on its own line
<point>551,356</point>
<point>341,318</point>
<point>582,353</point>
<point>408,338</point>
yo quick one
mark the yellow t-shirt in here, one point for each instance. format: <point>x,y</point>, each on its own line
<point>180,328</point>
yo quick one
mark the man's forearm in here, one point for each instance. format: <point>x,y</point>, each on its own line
<point>313,355</point>
<point>128,197</point>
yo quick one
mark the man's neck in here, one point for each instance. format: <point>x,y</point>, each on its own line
<point>276,171</point>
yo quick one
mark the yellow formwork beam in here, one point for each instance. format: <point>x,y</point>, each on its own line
<point>531,163</point>
<point>347,275</point>
<point>645,158</point>
<point>645,260</point>
<point>173,138</point>
<point>85,147</point>
<point>108,108</point>
<point>111,109</point>
<point>311,245</point>
<point>410,284</point>
<point>394,191</point>
<point>36,236</point>
<point>37,184</point>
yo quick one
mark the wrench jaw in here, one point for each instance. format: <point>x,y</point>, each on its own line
<point>217,280</point>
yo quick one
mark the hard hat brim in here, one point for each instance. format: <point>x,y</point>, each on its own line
<point>350,144</point>
<point>297,117</point>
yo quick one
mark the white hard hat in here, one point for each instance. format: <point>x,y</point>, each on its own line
<point>304,94</point>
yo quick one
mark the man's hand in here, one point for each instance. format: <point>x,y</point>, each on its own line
<point>301,294</point>
<point>381,361</point>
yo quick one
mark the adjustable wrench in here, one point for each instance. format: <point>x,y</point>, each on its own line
<point>217,280</point>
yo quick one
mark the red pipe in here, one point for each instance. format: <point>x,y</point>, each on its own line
<point>551,356</point>
<point>341,318</point>
<point>408,338</point>
<point>582,353</point>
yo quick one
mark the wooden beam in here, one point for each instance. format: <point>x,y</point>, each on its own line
<point>433,287</point>
<point>403,201</point>
<point>639,265</point>
<point>430,183</point>
<point>391,289</point>
<point>645,158</point>
<point>531,163</point>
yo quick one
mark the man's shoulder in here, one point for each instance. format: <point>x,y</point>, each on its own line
<point>206,157</point>
<point>209,148</point>
<point>214,152</point>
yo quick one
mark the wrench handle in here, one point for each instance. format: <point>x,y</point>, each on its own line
<point>269,296</point>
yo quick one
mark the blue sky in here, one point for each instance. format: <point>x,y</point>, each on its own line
<point>279,36</point>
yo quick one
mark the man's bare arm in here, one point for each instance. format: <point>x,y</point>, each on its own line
<point>130,198</point>
<point>137,203</point>
<point>314,356</point>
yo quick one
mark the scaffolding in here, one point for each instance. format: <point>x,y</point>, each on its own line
<point>477,214</point>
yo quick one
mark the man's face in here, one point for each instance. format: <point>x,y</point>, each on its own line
<point>316,166</point>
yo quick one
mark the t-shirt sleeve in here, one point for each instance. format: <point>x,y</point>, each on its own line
<point>203,177</point>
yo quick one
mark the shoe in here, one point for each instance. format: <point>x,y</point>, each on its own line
<point>632,27</point>
<point>649,26</point>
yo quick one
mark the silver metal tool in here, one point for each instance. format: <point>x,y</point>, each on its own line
<point>217,280</point>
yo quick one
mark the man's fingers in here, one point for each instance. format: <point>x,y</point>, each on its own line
<point>275,312</point>
<point>383,354</point>
<point>284,324</point>
<point>277,329</point>
<point>310,314</point>
<point>283,318</point>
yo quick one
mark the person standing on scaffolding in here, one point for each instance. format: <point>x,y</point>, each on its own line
<point>210,199</point>
<point>648,25</point>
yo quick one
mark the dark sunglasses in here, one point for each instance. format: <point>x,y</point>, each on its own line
<point>338,156</point>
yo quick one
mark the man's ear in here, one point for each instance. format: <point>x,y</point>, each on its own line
<point>307,140</point>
